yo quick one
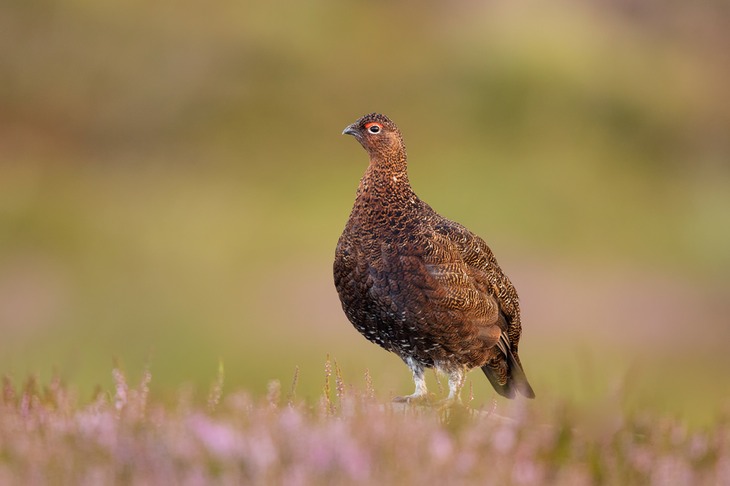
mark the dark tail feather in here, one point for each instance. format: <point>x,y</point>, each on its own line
<point>516,379</point>
<point>506,390</point>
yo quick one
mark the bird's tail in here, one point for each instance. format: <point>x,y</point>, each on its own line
<point>516,380</point>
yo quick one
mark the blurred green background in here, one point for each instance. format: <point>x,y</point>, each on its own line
<point>173,182</point>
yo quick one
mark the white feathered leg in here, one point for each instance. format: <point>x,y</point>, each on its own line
<point>457,377</point>
<point>419,379</point>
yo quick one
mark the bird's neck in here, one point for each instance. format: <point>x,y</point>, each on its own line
<point>386,177</point>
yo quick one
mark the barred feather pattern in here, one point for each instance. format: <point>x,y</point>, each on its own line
<point>418,284</point>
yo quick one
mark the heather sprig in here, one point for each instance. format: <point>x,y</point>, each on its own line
<point>47,435</point>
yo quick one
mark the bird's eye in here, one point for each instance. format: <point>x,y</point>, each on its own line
<point>373,128</point>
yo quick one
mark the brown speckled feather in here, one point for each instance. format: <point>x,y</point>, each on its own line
<point>420,285</point>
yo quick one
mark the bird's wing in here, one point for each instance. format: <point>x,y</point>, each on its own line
<point>441,287</point>
<point>484,269</point>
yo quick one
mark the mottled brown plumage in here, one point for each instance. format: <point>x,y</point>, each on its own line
<point>420,285</point>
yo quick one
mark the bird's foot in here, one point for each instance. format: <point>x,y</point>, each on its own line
<point>449,402</point>
<point>412,398</point>
<point>453,411</point>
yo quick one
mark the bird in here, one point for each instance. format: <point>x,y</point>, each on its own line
<point>420,285</point>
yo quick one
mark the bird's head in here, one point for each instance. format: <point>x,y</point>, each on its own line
<point>379,136</point>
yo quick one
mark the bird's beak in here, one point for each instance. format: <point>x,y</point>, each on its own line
<point>350,130</point>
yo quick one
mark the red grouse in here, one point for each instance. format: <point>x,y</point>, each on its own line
<point>420,285</point>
